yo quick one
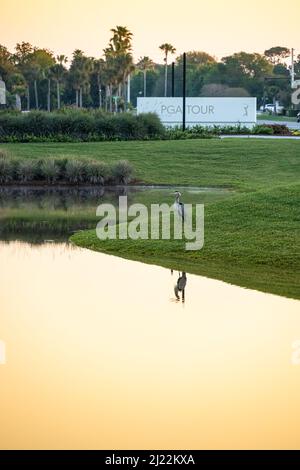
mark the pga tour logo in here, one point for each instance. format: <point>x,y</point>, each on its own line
<point>159,222</point>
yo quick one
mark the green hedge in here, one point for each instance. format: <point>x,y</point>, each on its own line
<point>200,132</point>
<point>76,125</point>
<point>88,126</point>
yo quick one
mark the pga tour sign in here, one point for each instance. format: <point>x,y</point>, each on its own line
<point>201,111</point>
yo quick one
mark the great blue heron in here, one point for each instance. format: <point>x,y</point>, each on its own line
<point>180,286</point>
<point>179,206</point>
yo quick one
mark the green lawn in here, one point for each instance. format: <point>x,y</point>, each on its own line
<point>251,236</point>
<point>242,164</point>
<point>272,117</point>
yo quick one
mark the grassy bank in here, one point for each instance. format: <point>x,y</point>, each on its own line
<point>250,240</point>
<point>245,165</point>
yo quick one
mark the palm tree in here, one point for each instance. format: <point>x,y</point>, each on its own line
<point>35,74</point>
<point>144,65</point>
<point>99,69</point>
<point>167,49</point>
<point>45,59</point>
<point>119,63</point>
<point>58,74</point>
<point>40,61</point>
<point>80,72</point>
<point>108,74</point>
<point>124,67</point>
<point>48,76</point>
<point>121,40</point>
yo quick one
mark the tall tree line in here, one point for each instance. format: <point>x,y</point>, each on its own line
<point>36,79</point>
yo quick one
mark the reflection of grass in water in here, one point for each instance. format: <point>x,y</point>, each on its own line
<point>32,224</point>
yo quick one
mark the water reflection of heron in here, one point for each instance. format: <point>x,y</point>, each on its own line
<point>180,286</point>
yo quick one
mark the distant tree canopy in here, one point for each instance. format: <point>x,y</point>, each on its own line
<point>196,59</point>
<point>35,78</point>
<point>277,54</point>
<point>218,90</point>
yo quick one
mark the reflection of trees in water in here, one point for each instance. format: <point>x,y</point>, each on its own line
<point>179,288</point>
<point>34,214</point>
<point>61,198</point>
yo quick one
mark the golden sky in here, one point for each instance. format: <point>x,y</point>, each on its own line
<point>219,27</point>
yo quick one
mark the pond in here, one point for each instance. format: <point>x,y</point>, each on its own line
<point>102,352</point>
<point>36,214</point>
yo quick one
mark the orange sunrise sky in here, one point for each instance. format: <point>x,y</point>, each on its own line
<point>218,27</point>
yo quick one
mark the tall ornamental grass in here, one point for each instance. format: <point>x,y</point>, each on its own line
<point>63,170</point>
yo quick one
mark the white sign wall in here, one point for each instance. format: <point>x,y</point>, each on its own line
<point>201,111</point>
<point>2,92</point>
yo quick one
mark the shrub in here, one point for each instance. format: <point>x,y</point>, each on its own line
<point>271,129</point>
<point>152,126</point>
<point>4,153</point>
<point>279,129</point>
<point>262,129</point>
<point>7,170</point>
<point>50,170</point>
<point>196,132</point>
<point>122,172</point>
<point>27,170</point>
<point>61,163</point>
<point>233,130</point>
<point>128,127</point>
<point>74,125</point>
<point>96,172</point>
<point>77,125</point>
<point>68,170</point>
<point>75,171</point>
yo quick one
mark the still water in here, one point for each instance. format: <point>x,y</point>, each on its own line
<point>100,353</point>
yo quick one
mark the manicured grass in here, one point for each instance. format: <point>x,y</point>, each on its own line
<point>272,117</point>
<point>239,164</point>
